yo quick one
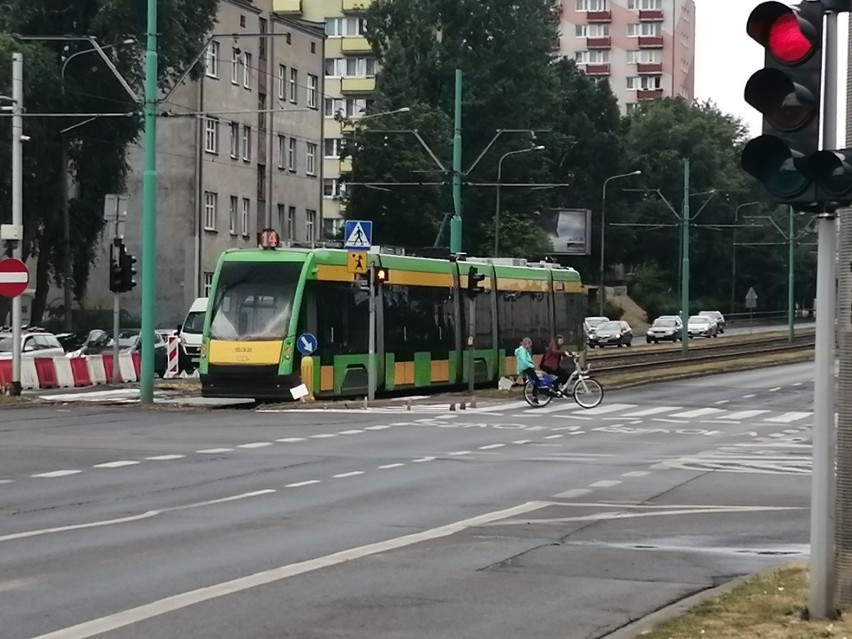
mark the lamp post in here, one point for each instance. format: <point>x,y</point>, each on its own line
<point>603,232</point>
<point>497,206</point>
<point>734,253</point>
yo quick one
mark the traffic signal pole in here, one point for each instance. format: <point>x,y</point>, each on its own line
<point>456,220</point>
<point>821,591</point>
<point>371,355</point>
<point>684,273</point>
<point>17,207</point>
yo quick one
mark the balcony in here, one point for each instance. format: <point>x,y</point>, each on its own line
<point>649,94</point>
<point>349,86</point>
<point>654,15</point>
<point>599,16</point>
<point>355,45</point>
<point>597,69</point>
<point>650,42</point>
<point>290,7</point>
<point>355,6</point>
<point>599,43</point>
<point>650,67</point>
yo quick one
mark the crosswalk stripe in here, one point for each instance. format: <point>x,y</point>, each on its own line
<point>786,418</point>
<point>607,408</point>
<point>698,412</point>
<point>652,411</point>
<point>745,414</point>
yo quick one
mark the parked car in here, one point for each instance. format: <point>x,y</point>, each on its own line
<point>33,344</point>
<point>717,317</point>
<point>73,341</point>
<point>129,340</point>
<point>590,322</point>
<point>666,328</point>
<point>702,326</point>
<point>611,333</point>
<point>190,335</point>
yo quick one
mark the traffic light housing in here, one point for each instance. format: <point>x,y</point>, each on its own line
<point>128,270</point>
<point>474,277</point>
<point>787,92</point>
<point>116,277</point>
<point>381,275</point>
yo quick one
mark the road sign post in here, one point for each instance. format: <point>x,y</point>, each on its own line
<point>371,355</point>
<point>751,304</point>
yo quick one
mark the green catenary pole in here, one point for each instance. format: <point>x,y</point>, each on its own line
<point>684,271</point>
<point>456,220</point>
<point>791,280</point>
<point>149,211</point>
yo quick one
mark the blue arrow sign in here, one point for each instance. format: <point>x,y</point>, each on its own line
<point>358,234</point>
<point>307,343</point>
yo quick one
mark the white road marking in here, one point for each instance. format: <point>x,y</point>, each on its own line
<point>211,451</point>
<point>299,484</point>
<point>460,452</point>
<point>570,416</point>
<point>636,473</point>
<point>749,396</point>
<point>420,460</point>
<point>383,426</point>
<point>490,446</point>
<point>290,440</point>
<point>58,473</point>
<point>7,481</point>
<point>554,436</point>
<point>354,473</point>
<point>323,436</point>
<point>652,411</point>
<point>605,483</point>
<point>745,414</point>
<point>574,492</point>
<point>255,445</point>
<point>522,441</point>
<point>116,464</point>
<point>350,432</point>
<point>164,457</point>
<point>698,412</point>
<point>607,408</point>
<point>502,407</point>
<point>389,466</point>
<point>775,390</point>
<point>183,600</point>
<point>786,418</point>
<point>723,401</point>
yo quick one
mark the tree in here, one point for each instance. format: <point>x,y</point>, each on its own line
<point>96,151</point>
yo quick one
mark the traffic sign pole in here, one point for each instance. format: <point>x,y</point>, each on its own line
<point>371,355</point>
<point>17,206</point>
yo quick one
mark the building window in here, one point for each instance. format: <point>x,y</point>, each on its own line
<point>247,70</point>
<point>211,201</point>
<point>350,67</point>
<point>338,27</point>
<point>349,107</point>
<point>212,60</point>
<point>232,214</point>
<point>261,183</point>
<point>282,82</point>
<point>643,56</point>
<point>332,147</point>
<point>261,111</point>
<point>632,107</point>
<point>332,228</point>
<point>595,56</point>
<point>331,187</point>
<point>592,30</point>
<point>245,216</point>
<point>282,152</point>
<point>291,223</point>
<point>592,5</point>
<point>294,80</point>
<point>310,221</point>
<point>208,282</point>
<point>645,5</point>
<point>235,140</point>
<point>311,159</point>
<point>645,29</point>
<point>282,218</point>
<point>312,91</point>
<point>246,143</point>
<point>236,63</point>
<point>262,51</point>
<point>211,135</point>
<point>644,82</point>
<point>291,154</point>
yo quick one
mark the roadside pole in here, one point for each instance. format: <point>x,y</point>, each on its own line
<point>371,355</point>
<point>791,279</point>
<point>456,220</point>
<point>684,275</point>
<point>17,207</point>
<point>116,312</point>
<point>470,347</point>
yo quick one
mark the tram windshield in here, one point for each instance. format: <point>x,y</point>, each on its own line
<point>254,301</point>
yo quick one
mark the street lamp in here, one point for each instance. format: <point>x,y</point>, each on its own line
<point>734,253</point>
<point>603,232</point>
<point>497,206</point>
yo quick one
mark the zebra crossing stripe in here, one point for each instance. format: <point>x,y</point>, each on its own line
<point>745,414</point>
<point>786,418</point>
<point>652,411</point>
<point>698,412</point>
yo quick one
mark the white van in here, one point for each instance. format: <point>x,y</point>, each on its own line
<point>190,335</point>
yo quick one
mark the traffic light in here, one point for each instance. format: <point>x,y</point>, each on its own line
<point>116,277</point>
<point>474,277</point>
<point>381,275</point>
<point>787,92</point>
<point>128,271</point>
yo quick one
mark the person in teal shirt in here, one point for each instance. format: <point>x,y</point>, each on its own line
<point>526,365</point>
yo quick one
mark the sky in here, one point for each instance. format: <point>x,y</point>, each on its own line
<point>725,58</point>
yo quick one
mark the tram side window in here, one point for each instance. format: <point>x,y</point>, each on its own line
<point>482,338</point>
<point>570,311</point>
<point>522,314</point>
<point>342,317</point>
<point>418,318</point>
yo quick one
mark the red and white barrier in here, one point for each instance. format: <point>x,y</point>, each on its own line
<point>172,356</point>
<point>40,373</point>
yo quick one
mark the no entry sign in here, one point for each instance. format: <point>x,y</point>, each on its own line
<point>14,277</point>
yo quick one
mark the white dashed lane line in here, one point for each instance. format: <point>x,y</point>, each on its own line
<point>354,473</point>
<point>300,484</point>
<point>389,466</point>
<point>213,451</point>
<point>350,432</point>
<point>255,445</point>
<point>291,440</point>
<point>58,473</point>
<point>164,457</point>
<point>323,436</point>
<point>491,446</point>
<point>116,464</point>
<point>636,473</point>
<point>605,483</point>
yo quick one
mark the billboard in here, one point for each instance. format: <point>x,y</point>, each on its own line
<point>570,230</point>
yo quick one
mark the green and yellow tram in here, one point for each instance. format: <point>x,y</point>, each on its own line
<point>263,300</point>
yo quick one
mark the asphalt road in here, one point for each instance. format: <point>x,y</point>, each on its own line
<point>501,522</point>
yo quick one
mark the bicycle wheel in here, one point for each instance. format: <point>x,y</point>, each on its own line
<point>587,392</point>
<point>541,399</point>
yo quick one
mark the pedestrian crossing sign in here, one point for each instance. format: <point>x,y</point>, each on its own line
<point>358,234</point>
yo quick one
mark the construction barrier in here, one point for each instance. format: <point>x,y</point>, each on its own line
<point>172,356</point>
<point>41,373</point>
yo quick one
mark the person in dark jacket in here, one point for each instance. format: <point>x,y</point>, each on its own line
<point>552,360</point>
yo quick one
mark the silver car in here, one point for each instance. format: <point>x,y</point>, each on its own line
<point>702,326</point>
<point>33,344</point>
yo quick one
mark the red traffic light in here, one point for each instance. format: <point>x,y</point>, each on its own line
<point>789,36</point>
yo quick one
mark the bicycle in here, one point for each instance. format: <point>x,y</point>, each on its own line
<point>585,389</point>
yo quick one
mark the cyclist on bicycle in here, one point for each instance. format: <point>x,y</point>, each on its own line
<point>552,360</point>
<point>526,365</point>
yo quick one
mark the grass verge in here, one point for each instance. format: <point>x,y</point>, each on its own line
<point>768,606</point>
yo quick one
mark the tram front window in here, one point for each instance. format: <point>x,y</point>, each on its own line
<point>254,301</point>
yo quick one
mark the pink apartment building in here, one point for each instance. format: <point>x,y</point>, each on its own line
<point>645,48</point>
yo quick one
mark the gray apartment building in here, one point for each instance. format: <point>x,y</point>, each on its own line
<point>644,48</point>
<point>238,150</point>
